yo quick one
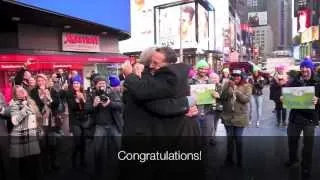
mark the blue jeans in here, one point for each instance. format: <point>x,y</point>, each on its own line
<point>256,102</point>
<point>234,134</point>
<point>206,124</point>
<point>107,141</point>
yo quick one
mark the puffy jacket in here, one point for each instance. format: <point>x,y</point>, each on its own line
<point>235,105</point>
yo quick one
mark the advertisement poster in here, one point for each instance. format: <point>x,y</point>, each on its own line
<point>258,18</point>
<point>169,26</point>
<point>298,97</point>
<point>303,20</point>
<point>203,28</point>
<point>202,93</point>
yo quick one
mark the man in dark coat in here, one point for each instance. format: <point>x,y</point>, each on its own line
<point>168,81</point>
<point>4,154</point>
<point>303,120</point>
<point>105,107</point>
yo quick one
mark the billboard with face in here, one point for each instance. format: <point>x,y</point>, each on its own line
<point>203,28</point>
<point>169,26</point>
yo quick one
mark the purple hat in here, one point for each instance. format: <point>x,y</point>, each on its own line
<point>114,81</point>
<point>77,79</point>
<point>307,63</point>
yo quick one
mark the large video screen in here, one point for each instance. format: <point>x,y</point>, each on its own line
<point>115,14</point>
<point>169,27</point>
<point>203,28</point>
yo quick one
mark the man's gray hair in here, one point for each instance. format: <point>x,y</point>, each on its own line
<point>145,56</point>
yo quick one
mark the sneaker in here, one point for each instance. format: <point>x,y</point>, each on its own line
<point>290,164</point>
<point>258,124</point>
<point>284,124</point>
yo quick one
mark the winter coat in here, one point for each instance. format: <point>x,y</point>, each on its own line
<point>257,85</point>
<point>158,131</point>
<point>4,115</point>
<point>235,105</point>
<point>24,135</point>
<point>167,84</point>
<point>49,109</point>
<point>97,113</point>
<point>77,114</point>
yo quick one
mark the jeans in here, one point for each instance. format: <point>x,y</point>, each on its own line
<point>256,102</point>
<point>107,141</point>
<point>234,135</point>
<point>281,112</point>
<point>294,132</point>
<point>207,124</point>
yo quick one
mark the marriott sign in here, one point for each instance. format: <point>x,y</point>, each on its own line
<point>80,42</point>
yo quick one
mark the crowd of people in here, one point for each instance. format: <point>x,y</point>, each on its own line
<point>137,112</point>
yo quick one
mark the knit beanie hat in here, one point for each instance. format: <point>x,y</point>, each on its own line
<point>202,64</point>
<point>99,78</point>
<point>77,78</point>
<point>114,81</point>
<point>307,63</point>
<point>191,73</point>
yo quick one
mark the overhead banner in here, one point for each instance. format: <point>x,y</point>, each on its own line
<point>80,42</point>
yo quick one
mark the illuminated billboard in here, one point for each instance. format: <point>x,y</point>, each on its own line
<point>203,28</point>
<point>115,14</point>
<point>257,18</point>
<point>169,26</point>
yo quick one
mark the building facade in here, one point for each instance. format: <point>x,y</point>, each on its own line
<point>55,41</point>
<point>306,26</point>
<point>263,39</point>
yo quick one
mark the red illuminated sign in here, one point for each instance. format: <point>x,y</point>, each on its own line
<point>80,42</point>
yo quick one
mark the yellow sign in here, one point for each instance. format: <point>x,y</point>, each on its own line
<point>315,33</point>
<point>306,36</point>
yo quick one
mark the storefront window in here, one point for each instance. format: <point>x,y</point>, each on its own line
<point>108,69</point>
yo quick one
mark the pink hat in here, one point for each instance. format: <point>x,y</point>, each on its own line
<point>280,67</point>
<point>192,73</point>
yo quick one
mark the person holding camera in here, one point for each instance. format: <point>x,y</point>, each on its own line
<point>235,97</point>
<point>105,107</point>
<point>24,142</point>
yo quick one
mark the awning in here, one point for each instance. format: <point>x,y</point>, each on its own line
<point>45,62</point>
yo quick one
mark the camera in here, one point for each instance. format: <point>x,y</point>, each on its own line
<point>103,95</point>
<point>59,76</point>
